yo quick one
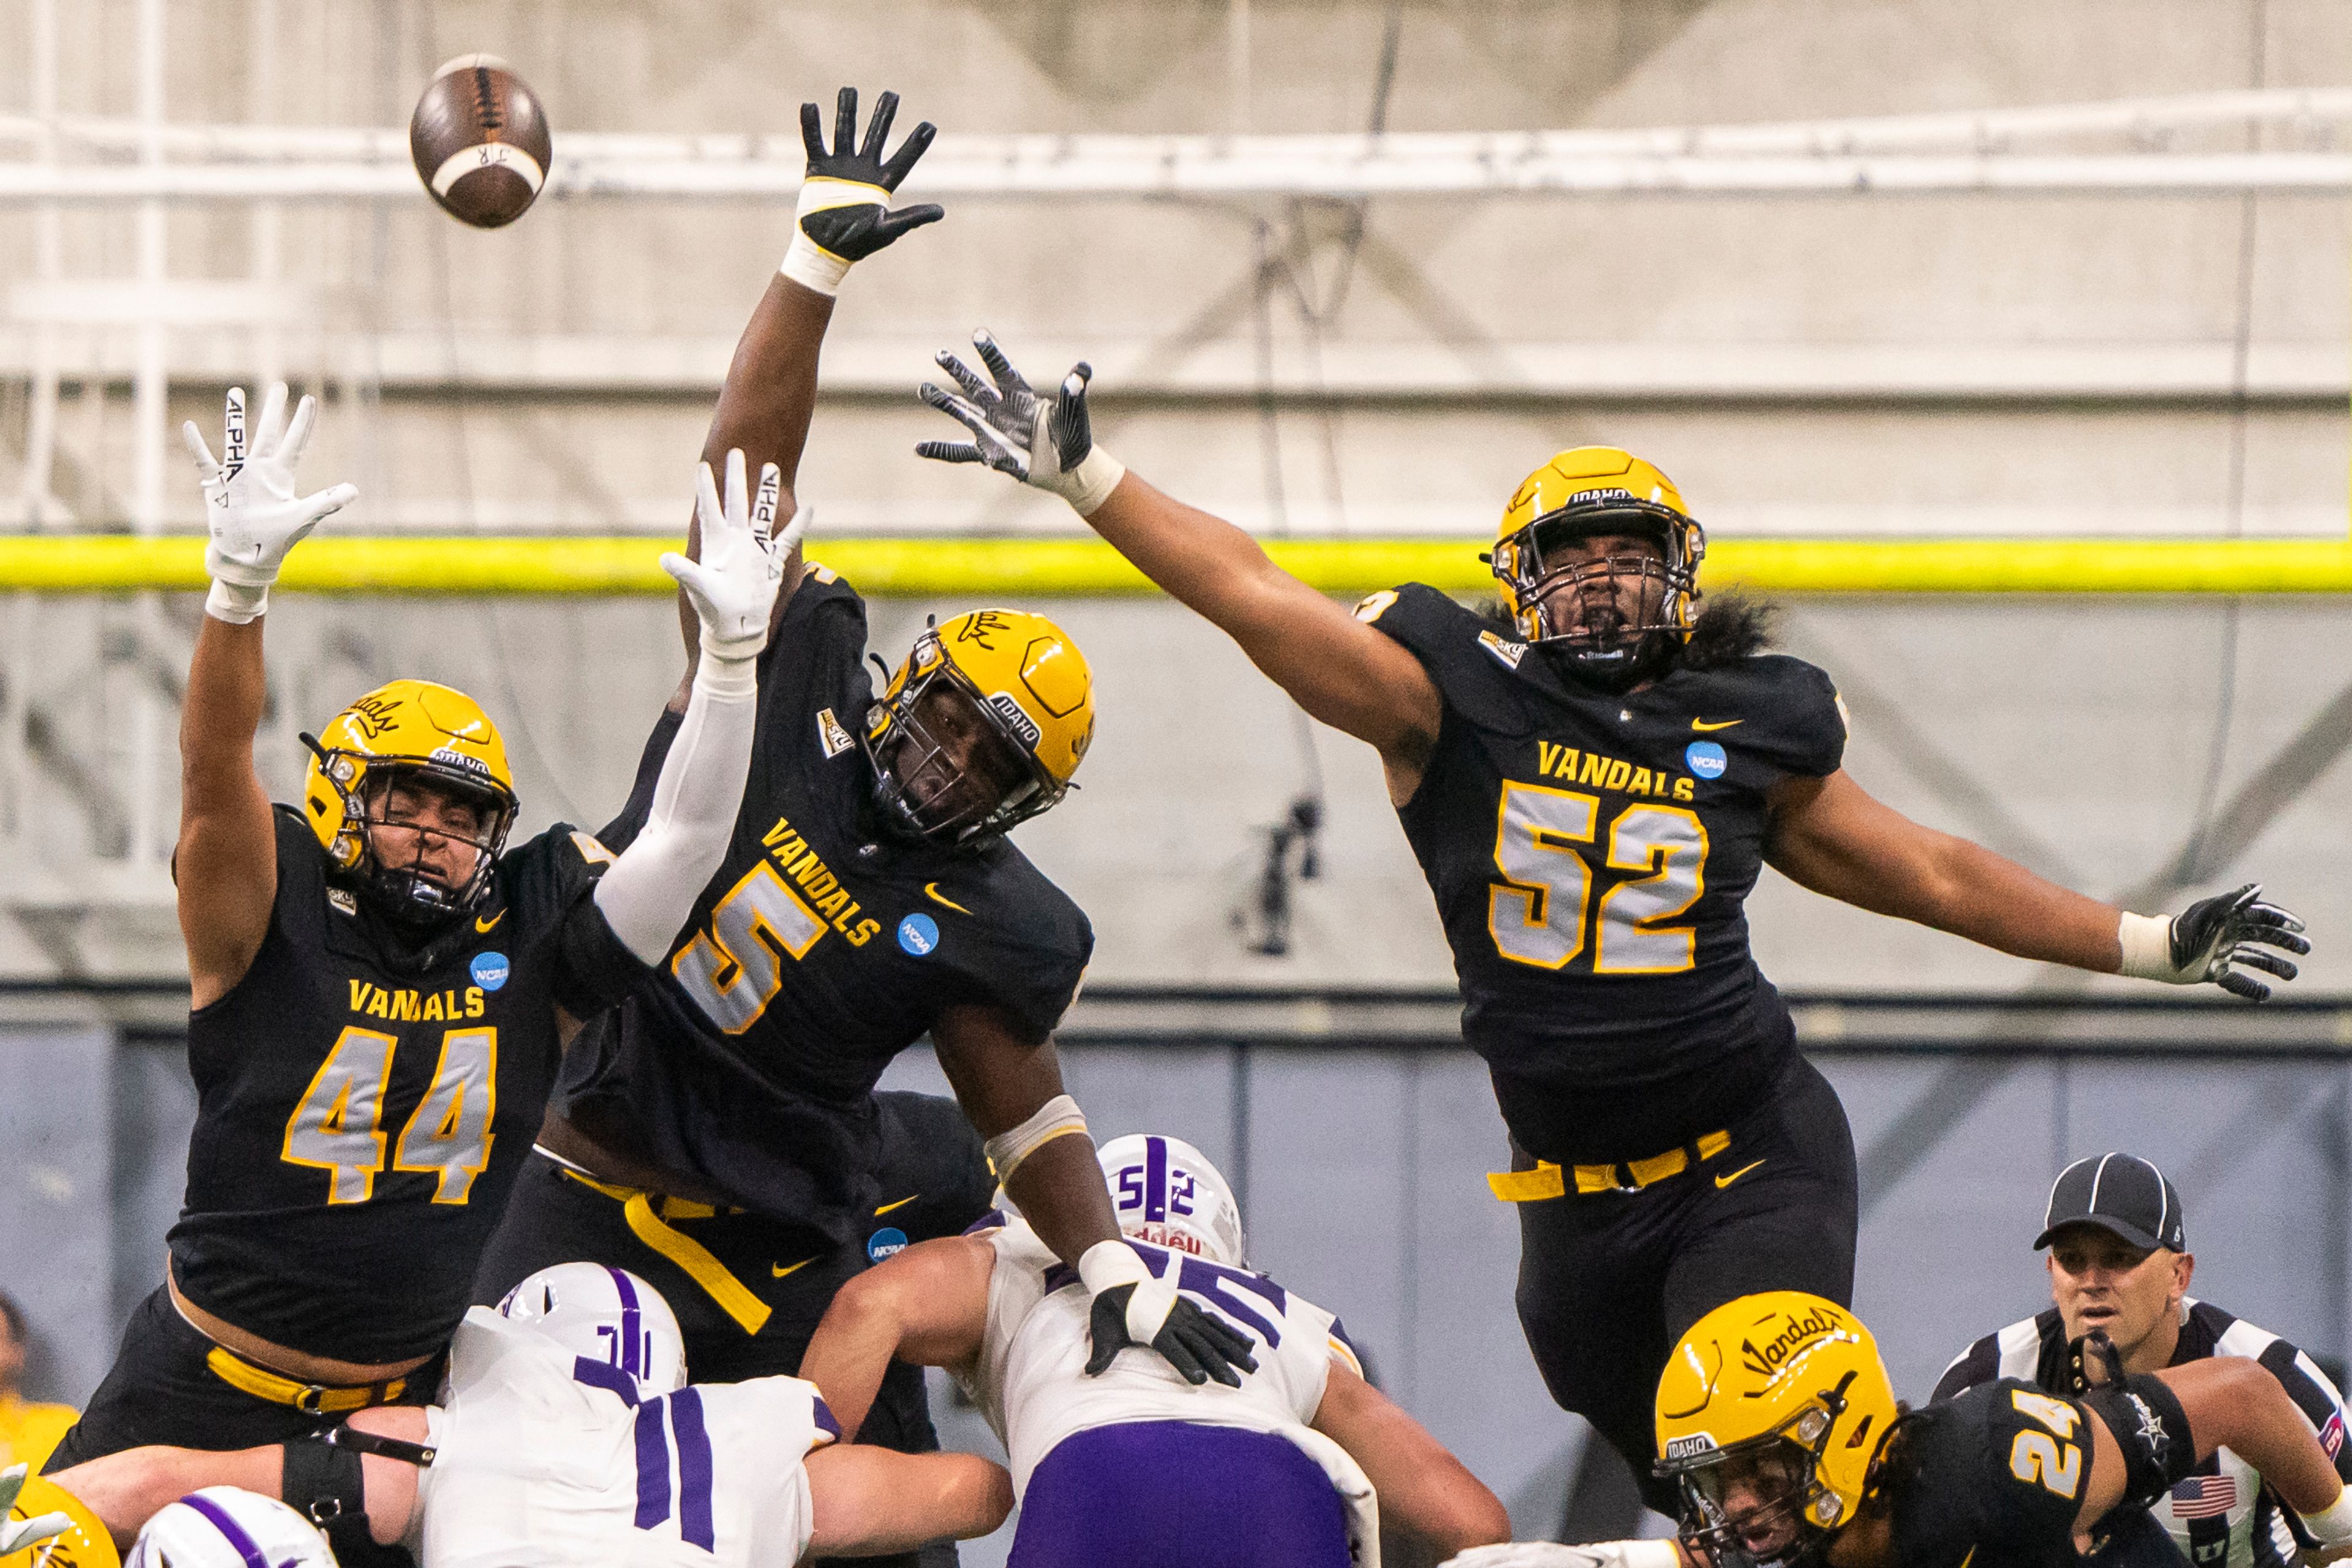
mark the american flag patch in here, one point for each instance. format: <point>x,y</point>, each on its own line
<point>2204,1497</point>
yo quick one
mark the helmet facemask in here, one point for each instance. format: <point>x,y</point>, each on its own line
<point>1607,631</point>
<point>1761,1503</point>
<point>401,885</point>
<point>949,765</point>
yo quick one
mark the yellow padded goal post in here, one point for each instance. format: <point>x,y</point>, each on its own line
<point>511,565</point>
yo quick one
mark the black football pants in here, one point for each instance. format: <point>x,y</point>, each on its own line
<point>161,1390</point>
<point>1608,1282</point>
<point>748,1291</point>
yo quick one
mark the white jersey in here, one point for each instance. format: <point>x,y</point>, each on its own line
<point>549,1461</point>
<point>1030,1379</point>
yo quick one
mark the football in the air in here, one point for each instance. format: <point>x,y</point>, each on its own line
<point>479,142</point>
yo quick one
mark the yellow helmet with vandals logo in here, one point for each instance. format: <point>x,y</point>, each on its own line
<point>1025,698</point>
<point>1584,491</point>
<point>434,735</point>
<point>1769,1414</point>
<point>83,1544</point>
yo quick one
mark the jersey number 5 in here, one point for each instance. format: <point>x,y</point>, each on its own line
<point>733,970</point>
<point>1537,913</point>
<point>337,1125</point>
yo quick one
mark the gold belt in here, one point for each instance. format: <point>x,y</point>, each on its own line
<point>315,1398</point>
<point>1551,1180</point>
<point>701,1266</point>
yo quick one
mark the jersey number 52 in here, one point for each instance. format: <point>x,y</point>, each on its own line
<point>1538,912</point>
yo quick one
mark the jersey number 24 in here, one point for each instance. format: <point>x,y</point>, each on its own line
<point>1538,912</point>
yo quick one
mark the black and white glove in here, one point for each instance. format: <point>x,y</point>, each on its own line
<point>1550,1554</point>
<point>16,1534</point>
<point>1014,431</point>
<point>250,508</point>
<point>844,214</point>
<point>1132,1309</point>
<point>733,587</point>
<point>2214,938</point>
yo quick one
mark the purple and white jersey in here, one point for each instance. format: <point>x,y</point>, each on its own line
<point>1030,1378</point>
<point>550,1460</point>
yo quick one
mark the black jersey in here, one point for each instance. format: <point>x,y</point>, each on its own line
<point>821,950</point>
<point>361,1107</point>
<point>1995,1478</point>
<point>2223,1515</point>
<point>1591,855</point>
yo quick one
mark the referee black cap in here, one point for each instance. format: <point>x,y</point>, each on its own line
<point>2118,1193</point>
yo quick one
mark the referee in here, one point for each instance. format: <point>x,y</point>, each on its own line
<point>2120,1265</point>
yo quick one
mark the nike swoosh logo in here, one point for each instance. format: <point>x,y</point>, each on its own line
<point>902,1202</point>
<point>1727,1181</point>
<point>780,1270</point>
<point>484,925</point>
<point>1702,726</point>
<point>933,889</point>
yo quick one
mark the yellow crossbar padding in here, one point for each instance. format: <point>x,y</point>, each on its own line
<point>1029,567</point>
<point>317,1398</point>
<point>704,1270</point>
<point>637,1208</point>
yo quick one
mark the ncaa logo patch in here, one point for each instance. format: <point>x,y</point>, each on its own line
<point>886,1242</point>
<point>1705,758</point>
<point>489,970</point>
<point>918,933</point>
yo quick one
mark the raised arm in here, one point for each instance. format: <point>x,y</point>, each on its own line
<point>1830,835</point>
<point>1338,668</point>
<point>843,216</point>
<point>1038,1141</point>
<point>225,862</point>
<point>926,1306</point>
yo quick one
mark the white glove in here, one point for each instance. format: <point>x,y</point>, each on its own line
<point>1014,431</point>
<point>733,587</point>
<point>2214,938</point>
<point>250,506</point>
<point>1549,1555</point>
<point>16,1534</point>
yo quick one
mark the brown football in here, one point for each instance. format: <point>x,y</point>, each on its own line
<point>479,142</point>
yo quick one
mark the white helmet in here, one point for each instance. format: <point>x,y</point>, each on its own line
<point>605,1316</point>
<point>227,1527</point>
<point>1168,1193</point>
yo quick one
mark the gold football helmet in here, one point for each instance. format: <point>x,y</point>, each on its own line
<point>1579,493</point>
<point>1768,1414</point>
<point>413,729</point>
<point>982,726</point>
<point>84,1544</point>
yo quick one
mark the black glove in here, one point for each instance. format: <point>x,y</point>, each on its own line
<point>844,215</point>
<point>1200,1346</point>
<point>1045,442</point>
<point>2214,938</point>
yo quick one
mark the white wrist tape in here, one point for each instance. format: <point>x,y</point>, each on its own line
<point>236,603</point>
<point>806,262</point>
<point>2148,949</point>
<point>2332,1526</point>
<point>1057,1118</point>
<point>1090,483</point>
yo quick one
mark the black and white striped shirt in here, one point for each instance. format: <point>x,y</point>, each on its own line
<point>2222,1516</point>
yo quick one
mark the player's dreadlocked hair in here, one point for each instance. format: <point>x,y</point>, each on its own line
<point>1731,628</point>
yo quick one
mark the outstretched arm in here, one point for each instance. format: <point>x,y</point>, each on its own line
<point>1341,670</point>
<point>1830,835</point>
<point>1038,1141</point>
<point>843,216</point>
<point>870,1501</point>
<point>928,1306</point>
<point>1423,1487</point>
<point>226,863</point>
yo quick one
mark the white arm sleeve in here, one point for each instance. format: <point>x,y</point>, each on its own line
<point>651,888</point>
